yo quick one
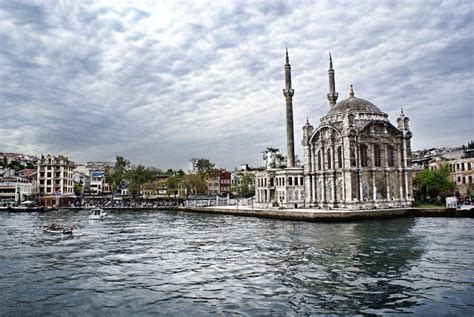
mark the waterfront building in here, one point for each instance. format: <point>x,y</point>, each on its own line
<point>461,170</point>
<point>55,175</point>
<point>219,183</point>
<point>97,171</point>
<point>15,190</point>
<point>462,173</point>
<point>354,159</point>
<point>82,177</point>
<point>242,180</point>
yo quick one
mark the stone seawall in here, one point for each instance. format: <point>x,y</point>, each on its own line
<point>324,216</point>
<point>313,215</point>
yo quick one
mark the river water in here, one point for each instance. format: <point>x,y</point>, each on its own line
<point>178,263</point>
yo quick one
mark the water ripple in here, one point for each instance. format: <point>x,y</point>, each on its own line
<point>175,263</point>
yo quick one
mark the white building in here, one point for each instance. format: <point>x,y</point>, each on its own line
<point>15,190</point>
<point>55,175</point>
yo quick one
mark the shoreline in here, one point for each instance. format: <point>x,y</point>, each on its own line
<point>312,215</point>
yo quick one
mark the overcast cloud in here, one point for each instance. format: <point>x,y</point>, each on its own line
<point>161,82</point>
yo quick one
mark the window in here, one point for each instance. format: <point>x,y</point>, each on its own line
<point>296,181</point>
<point>353,157</point>
<point>377,159</point>
<point>319,160</point>
<point>363,155</point>
<point>329,159</point>
<point>301,180</point>
<point>290,181</point>
<point>390,156</point>
<point>459,179</point>
<point>339,157</point>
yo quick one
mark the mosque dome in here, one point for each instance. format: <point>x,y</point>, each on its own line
<point>353,104</point>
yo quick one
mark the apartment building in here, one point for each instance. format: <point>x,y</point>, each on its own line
<point>55,175</point>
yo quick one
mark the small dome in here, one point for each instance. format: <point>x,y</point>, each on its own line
<point>353,104</point>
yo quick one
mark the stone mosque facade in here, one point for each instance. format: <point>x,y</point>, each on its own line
<point>354,159</point>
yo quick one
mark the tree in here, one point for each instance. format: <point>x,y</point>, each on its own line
<point>137,176</point>
<point>16,166</point>
<point>273,158</point>
<point>195,184</point>
<point>77,189</point>
<point>433,182</point>
<point>202,166</point>
<point>246,186</point>
<point>118,175</point>
<point>173,183</point>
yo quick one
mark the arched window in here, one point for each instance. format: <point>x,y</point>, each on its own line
<point>319,160</point>
<point>390,156</point>
<point>329,159</point>
<point>363,155</point>
<point>296,181</point>
<point>378,161</point>
<point>353,157</point>
<point>339,157</point>
<point>290,181</point>
<point>301,180</point>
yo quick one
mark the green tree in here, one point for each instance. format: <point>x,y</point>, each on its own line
<point>246,186</point>
<point>137,176</point>
<point>433,182</point>
<point>195,184</point>
<point>202,166</point>
<point>16,166</point>
<point>77,189</point>
<point>116,176</point>
<point>273,158</point>
<point>173,183</point>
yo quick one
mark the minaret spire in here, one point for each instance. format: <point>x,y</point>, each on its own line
<point>332,95</point>
<point>288,92</point>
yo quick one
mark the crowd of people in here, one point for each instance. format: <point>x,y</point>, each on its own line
<point>124,203</point>
<point>465,200</point>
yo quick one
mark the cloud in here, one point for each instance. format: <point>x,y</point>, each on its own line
<point>160,83</point>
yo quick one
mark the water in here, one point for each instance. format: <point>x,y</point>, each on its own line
<point>176,263</point>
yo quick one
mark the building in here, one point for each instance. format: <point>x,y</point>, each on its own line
<point>461,167</point>
<point>462,173</point>
<point>15,190</point>
<point>242,180</point>
<point>55,175</point>
<point>97,171</point>
<point>219,183</point>
<point>354,159</point>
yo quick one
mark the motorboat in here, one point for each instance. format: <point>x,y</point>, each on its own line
<point>56,229</point>
<point>97,214</point>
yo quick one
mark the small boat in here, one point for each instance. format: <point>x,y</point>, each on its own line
<point>97,214</point>
<point>55,229</point>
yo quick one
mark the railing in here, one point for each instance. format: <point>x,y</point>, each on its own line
<point>219,201</point>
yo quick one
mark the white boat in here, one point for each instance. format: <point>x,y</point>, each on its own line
<point>97,214</point>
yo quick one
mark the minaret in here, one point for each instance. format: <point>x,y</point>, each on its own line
<point>288,92</point>
<point>332,95</point>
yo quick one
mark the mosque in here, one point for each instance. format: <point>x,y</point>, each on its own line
<point>354,159</point>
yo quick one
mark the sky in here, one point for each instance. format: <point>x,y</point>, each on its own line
<point>161,82</point>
